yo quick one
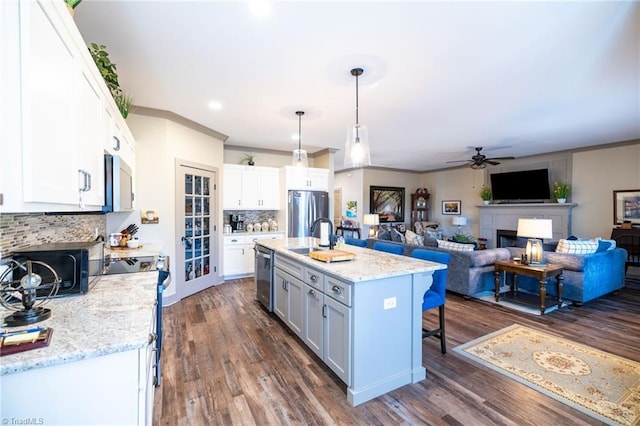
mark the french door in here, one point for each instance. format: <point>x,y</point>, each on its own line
<point>196,218</point>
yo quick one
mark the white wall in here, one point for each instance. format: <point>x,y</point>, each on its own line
<point>596,174</point>
<point>159,142</point>
<point>351,184</point>
<point>461,184</point>
<point>593,174</point>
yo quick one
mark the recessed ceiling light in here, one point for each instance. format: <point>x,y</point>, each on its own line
<point>215,105</point>
<point>260,7</point>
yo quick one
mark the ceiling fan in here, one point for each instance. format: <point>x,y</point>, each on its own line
<point>480,161</point>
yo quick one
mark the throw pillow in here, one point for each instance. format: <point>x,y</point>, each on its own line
<point>396,236</point>
<point>413,238</point>
<point>604,245</point>
<point>433,234</point>
<point>450,245</point>
<point>383,234</point>
<point>577,246</point>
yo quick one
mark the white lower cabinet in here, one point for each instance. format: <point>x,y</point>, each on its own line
<point>317,307</point>
<point>123,377</point>
<point>239,256</point>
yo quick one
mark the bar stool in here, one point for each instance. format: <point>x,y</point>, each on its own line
<point>388,247</point>
<point>435,296</point>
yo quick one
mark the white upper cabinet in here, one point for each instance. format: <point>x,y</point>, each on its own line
<point>54,114</point>
<point>312,179</point>
<point>251,187</point>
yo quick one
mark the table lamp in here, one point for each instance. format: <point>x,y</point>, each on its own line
<point>535,230</point>
<point>460,221</point>
<point>373,220</point>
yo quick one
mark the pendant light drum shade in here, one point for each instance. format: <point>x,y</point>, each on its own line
<point>357,152</point>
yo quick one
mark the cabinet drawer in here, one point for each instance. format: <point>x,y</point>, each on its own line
<point>293,267</point>
<point>338,290</point>
<point>314,278</point>
<point>232,240</point>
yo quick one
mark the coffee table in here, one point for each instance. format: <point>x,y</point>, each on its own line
<point>541,272</point>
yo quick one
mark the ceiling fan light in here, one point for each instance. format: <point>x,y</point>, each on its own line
<point>476,166</point>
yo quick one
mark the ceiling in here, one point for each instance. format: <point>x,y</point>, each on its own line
<point>440,77</point>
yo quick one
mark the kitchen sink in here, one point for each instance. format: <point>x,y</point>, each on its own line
<point>301,250</point>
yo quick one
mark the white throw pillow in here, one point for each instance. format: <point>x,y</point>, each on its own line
<point>577,246</point>
<point>450,245</point>
<point>413,238</point>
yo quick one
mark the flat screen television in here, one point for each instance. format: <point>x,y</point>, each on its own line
<point>526,186</point>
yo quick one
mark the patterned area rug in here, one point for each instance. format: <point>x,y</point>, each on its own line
<point>604,386</point>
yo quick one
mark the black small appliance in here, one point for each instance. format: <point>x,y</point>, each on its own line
<point>237,222</point>
<point>78,264</point>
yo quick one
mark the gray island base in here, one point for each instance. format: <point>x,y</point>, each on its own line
<point>362,317</point>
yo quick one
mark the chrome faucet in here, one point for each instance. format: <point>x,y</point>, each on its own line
<point>323,220</point>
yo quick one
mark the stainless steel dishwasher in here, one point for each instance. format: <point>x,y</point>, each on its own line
<point>264,276</point>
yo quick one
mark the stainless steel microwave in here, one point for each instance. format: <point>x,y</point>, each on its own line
<point>118,194</point>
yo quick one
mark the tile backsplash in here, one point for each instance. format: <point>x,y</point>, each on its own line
<point>19,231</point>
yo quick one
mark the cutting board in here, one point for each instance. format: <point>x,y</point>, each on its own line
<point>332,255</point>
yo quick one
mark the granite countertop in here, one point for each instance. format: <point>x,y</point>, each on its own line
<point>114,316</point>
<point>368,264</point>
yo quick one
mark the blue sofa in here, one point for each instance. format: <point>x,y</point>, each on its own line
<point>586,277</point>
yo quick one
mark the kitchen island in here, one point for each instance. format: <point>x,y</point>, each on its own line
<point>362,317</point>
<point>101,346</point>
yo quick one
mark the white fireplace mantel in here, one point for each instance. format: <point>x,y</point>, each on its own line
<point>505,217</point>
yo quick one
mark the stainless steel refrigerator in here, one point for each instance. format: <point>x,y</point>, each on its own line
<point>304,207</point>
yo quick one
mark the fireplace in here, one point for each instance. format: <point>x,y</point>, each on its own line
<point>496,218</point>
<point>506,238</point>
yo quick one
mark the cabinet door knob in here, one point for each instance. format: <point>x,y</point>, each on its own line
<point>152,337</point>
<point>336,289</point>
<point>313,278</point>
<point>312,292</point>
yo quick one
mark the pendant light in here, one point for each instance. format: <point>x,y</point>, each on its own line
<point>299,157</point>
<point>357,147</point>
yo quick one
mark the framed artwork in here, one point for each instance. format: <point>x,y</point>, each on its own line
<point>451,207</point>
<point>626,206</point>
<point>387,202</point>
<point>352,209</point>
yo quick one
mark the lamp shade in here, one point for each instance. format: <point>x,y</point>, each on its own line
<point>535,228</point>
<point>459,220</point>
<point>371,219</point>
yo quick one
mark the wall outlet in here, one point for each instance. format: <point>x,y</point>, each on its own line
<point>390,303</point>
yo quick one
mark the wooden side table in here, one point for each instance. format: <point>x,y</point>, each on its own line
<point>541,272</point>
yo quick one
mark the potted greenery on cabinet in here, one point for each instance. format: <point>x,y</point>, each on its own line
<point>108,71</point>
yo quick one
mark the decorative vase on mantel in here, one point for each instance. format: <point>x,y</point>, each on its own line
<point>486,202</point>
<point>562,200</point>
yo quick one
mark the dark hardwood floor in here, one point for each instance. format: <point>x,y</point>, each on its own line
<point>227,361</point>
